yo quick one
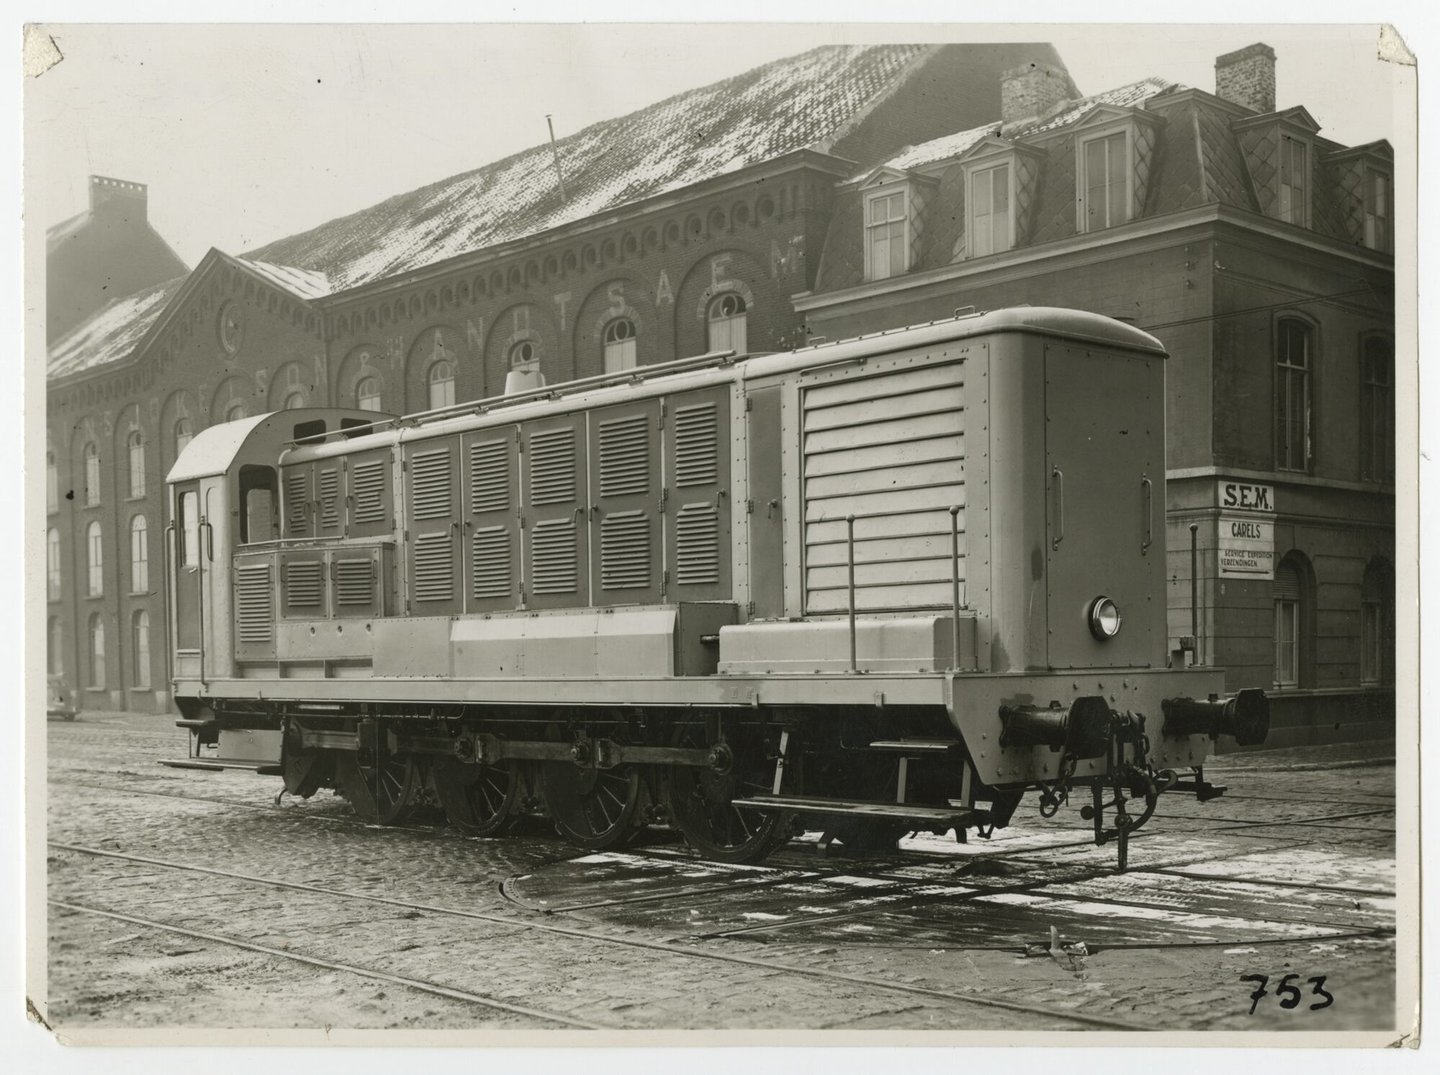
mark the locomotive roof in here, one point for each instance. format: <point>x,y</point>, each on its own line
<point>214,449</point>
<point>634,384</point>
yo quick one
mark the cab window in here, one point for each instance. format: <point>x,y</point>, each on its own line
<point>190,529</point>
<point>259,489</point>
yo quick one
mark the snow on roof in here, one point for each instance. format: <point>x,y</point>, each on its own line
<point>790,104</point>
<point>113,332</point>
<point>950,146</point>
<point>1131,96</point>
<point>939,149</point>
<point>300,282</point>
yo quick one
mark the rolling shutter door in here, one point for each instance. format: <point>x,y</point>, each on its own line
<point>556,557</point>
<point>625,490</point>
<point>889,450</point>
<point>492,499</point>
<point>432,520</point>
<point>697,488</point>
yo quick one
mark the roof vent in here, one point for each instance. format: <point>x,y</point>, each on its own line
<point>1246,77</point>
<point>520,381</point>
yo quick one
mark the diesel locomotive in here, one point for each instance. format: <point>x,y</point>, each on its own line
<point>863,588</point>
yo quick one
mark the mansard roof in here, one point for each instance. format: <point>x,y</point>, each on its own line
<point>806,101</point>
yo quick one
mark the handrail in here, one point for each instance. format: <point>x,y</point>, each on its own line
<point>850,565</point>
<point>955,587</point>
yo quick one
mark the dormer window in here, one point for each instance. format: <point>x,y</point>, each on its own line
<point>1379,225</point>
<point>1294,181</point>
<point>887,238</point>
<point>1104,179</point>
<point>990,220</point>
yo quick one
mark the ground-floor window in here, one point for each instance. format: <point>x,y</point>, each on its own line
<point>1377,624</point>
<point>140,647</point>
<point>54,648</point>
<point>1288,593</point>
<point>97,652</point>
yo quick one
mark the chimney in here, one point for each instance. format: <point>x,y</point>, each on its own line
<point>1033,89</point>
<point>118,195</point>
<point>1246,77</point>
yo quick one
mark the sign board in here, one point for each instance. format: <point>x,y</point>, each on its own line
<point>1245,496</point>
<point>1245,547</point>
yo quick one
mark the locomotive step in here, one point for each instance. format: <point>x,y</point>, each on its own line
<point>948,815</point>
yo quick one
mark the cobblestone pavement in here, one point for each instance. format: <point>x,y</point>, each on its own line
<point>182,898</point>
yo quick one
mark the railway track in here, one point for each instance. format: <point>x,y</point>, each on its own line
<point>946,1000</point>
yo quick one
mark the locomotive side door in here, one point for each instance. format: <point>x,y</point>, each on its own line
<point>1104,473</point>
<point>185,567</point>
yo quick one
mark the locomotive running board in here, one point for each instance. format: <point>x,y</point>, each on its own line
<point>264,768</point>
<point>958,816</point>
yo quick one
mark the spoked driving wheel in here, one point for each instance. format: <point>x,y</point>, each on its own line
<point>703,808</point>
<point>380,794</point>
<point>592,807</point>
<point>478,799</point>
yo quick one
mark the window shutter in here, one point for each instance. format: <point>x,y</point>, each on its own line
<point>369,493</point>
<point>328,483</point>
<point>553,461</point>
<point>433,524</point>
<point>697,473</point>
<point>494,543</point>
<point>626,452</point>
<point>297,502</point>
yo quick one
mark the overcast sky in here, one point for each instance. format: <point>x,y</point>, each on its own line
<point>245,134</point>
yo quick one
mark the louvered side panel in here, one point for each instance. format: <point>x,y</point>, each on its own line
<point>697,479</point>
<point>327,485</point>
<point>889,450</point>
<point>433,525</point>
<point>370,504</point>
<point>489,463</point>
<point>554,559</point>
<point>254,610</point>
<point>297,502</point>
<point>355,579</point>
<point>552,467</point>
<point>626,562</point>
<point>433,577</point>
<point>625,518</point>
<point>492,503</point>
<point>302,586</point>
<point>697,546</point>
<point>556,539</point>
<point>492,564</point>
<point>430,484</point>
<point>624,456</point>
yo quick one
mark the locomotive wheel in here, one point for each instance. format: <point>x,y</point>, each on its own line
<point>381,795</point>
<point>477,799</point>
<point>595,808</point>
<point>303,771</point>
<point>701,807</point>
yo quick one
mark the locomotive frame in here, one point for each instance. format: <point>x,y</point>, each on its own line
<point>866,587</point>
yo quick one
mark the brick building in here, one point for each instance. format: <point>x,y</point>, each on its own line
<point>682,227</point>
<point>1261,254</point>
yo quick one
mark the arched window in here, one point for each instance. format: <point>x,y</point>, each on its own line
<point>1291,595</point>
<point>54,647</point>
<point>1294,355</point>
<point>135,457</point>
<point>442,385</point>
<point>1377,409</point>
<point>234,410</point>
<point>1377,624</point>
<point>726,319</point>
<point>619,345</point>
<point>139,556</point>
<point>52,564</point>
<point>523,356</point>
<point>92,474</point>
<point>293,401</point>
<point>52,484</point>
<point>184,434</point>
<point>140,648</point>
<point>367,394</point>
<point>97,652</point>
<point>95,553</point>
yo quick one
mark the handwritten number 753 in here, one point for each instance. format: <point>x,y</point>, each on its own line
<point>1289,994</point>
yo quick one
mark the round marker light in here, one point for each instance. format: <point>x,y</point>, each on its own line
<point>1104,619</point>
